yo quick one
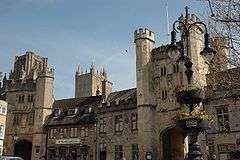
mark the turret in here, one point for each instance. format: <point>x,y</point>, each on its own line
<point>43,108</point>
<point>144,41</point>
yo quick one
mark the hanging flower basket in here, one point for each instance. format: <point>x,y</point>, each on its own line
<point>197,120</point>
<point>190,95</point>
<point>193,125</point>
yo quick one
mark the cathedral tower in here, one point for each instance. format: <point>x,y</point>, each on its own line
<point>144,41</point>
<point>92,83</point>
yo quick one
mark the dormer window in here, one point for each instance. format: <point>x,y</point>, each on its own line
<point>56,112</point>
<point>72,111</point>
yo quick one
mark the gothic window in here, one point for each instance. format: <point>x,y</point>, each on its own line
<point>118,123</point>
<point>223,119</point>
<point>134,121</point>
<point>31,118</point>
<point>102,125</point>
<point>30,98</point>
<point>135,152</point>
<point>163,71</point>
<point>175,68</point>
<point>16,119</point>
<point>164,94</point>
<point>21,99</point>
<point>118,152</point>
<point>73,132</point>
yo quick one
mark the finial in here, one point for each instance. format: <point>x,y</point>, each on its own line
<point>104,73</point>
<point>78,70</point>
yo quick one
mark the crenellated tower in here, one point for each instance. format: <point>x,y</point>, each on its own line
<point>92,83</point>
<point>145,42</point>
<point>43,108</point>
<point>29,93</point>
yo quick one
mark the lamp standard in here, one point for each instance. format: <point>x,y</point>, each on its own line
<point>181,54</point>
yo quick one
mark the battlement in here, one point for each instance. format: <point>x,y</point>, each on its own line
<point>49,72</point>
<point>144,34</point>
<point>92,70</point>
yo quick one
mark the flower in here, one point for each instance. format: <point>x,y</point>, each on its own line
<point>196,113</point>
<point>192,87</point>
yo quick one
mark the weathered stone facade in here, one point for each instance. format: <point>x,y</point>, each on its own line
<point>29,93</point>
<point>223,103</point>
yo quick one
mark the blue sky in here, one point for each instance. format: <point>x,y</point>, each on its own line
<point>79,32</point>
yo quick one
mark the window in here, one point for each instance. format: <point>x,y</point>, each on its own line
<point>31,118</point>
<point>164,94</point>
<point>102,146</point>
<point>30,98</point>
<point>118,123</point>
<point>53,133</point>
<point>118,152</point>
<point>1,131</point>
<point>37,149</point>
<point>223,119</point>
<point>21,99</point>
<point>72,111</point>
<point>63,132</point>
<point>73,132</point>
<point>56,112</point>
<point>135,152</point>
<point>163,71</point>
<point>4,110</point>
<point>84,132</point>
<point>17,119</point>
<point>134,121</point>
<point>102,125</point>
<point>175,68</point>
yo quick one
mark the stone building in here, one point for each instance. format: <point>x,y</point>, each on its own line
<point>71,128</point>
<point>133,124</point>
<point>223,102</point>
<point>29,93</point>
<point>3,113</point>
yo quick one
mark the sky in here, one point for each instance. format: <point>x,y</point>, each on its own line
<point>82,32</point>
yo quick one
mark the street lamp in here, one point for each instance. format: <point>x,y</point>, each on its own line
<point>181,55</point>
<point>176,53</point>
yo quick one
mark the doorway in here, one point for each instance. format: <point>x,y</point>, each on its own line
<point>23,149</point>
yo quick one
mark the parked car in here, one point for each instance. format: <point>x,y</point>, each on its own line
<point>10,158</point>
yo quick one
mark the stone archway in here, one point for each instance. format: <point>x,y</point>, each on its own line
<point>23,148</point>
<point>173,144</point>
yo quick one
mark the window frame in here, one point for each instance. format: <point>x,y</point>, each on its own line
<point>118,123</point>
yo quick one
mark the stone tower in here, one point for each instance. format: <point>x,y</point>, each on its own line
<point>43,108</point>
<point>145,42</point>
<point>157,78</point>
<point>92,83</point>
<point>29,96</point>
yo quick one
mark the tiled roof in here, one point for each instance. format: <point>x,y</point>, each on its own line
<point>76,102</point>
<point>122,95</point>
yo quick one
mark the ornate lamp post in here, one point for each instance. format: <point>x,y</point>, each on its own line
<point>181,54</point>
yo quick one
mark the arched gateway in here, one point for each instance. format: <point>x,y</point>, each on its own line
<point>23,148</point>
<point>173,144</point>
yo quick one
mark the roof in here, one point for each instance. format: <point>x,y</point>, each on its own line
<point>76,102</point>
<point>79,118</point>
<point>122,95</point>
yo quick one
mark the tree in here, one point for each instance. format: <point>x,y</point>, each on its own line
<point>224,21</point>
